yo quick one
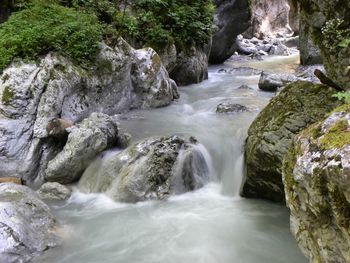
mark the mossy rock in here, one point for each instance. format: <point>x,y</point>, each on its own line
<point>315,176</point>
<point>269,137</point>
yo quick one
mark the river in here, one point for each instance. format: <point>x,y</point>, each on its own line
<point>210,225</point>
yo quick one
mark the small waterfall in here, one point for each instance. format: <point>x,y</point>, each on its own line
<point>193,169</point>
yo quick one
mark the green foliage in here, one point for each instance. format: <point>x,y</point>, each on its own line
<point>153,23</point>
<point>184,22</point>
<point>74,27</point>
<point>45,26</point>
<point>344,96</point>
<point>335,35</point>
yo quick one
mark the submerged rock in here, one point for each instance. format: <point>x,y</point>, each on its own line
<point>85,141</point>
<point>151,169</point>
<point>270,135</point>
<point>316,178</point>
<point>27,227</point>
<point>33,94</point>
<point>228,107</point>
<point>54,191</point>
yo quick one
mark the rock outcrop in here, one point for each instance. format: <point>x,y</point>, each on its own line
<point>269,137</point>
<point>310,53</point>
<point>34,94</point>
<point>27,227</point>
<point>151,169</point>
<point>191,66</point>
<point>329,22</point>
<point>316,178</point>
<point>232,17</point>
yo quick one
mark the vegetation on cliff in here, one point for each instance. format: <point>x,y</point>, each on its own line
<point>74,27</point>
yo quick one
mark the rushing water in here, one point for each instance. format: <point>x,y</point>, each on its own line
<point>210,225</point>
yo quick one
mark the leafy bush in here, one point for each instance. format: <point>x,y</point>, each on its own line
<point>152,22</point>
<point>335,34</point>
<point>184,22</point>
<point>46,26</point>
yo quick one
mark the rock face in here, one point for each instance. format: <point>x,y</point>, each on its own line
<point>269,17</point>
<point>151,169</point>
<point>232,17</point>
<point>310,53</point>
<point>54,191</point>
<point>317,13</point>
<point>270,135</point>
<point>316,178</point>
<point>27,226</point>
<point>33,94</point>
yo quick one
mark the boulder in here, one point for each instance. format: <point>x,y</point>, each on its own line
<point>279,50</point>
<point>269,137</point>
<point>27,227</point>
<point>54,191</point>
<point>316,179</point>
<point>33,94</point>
<point>232,17</point>
<point>271,81</point>
<point>229,107</point>
<point>151,169</point>
<point>85,141</point>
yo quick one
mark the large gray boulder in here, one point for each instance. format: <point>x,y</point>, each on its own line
<point>32,94</point>
<point>316,179</point>
<point>269,137</point>
<point>151,169</point>
<point>232,17</point>
<point>85,141</point>
<point>273,81</point>
<point>27,227</point>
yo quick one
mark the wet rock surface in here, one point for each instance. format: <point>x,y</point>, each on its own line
<point>230,107</point>
<point>54,191</point>
<point>269,137</point>
<point>316,179</point>
<point>27,227</point>
<point>151,169</point>
<point>32,95</point>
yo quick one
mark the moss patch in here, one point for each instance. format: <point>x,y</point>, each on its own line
<point>337,136</point>
<point>7,95</point>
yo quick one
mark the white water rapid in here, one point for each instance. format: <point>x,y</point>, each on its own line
<point>210,225</point>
